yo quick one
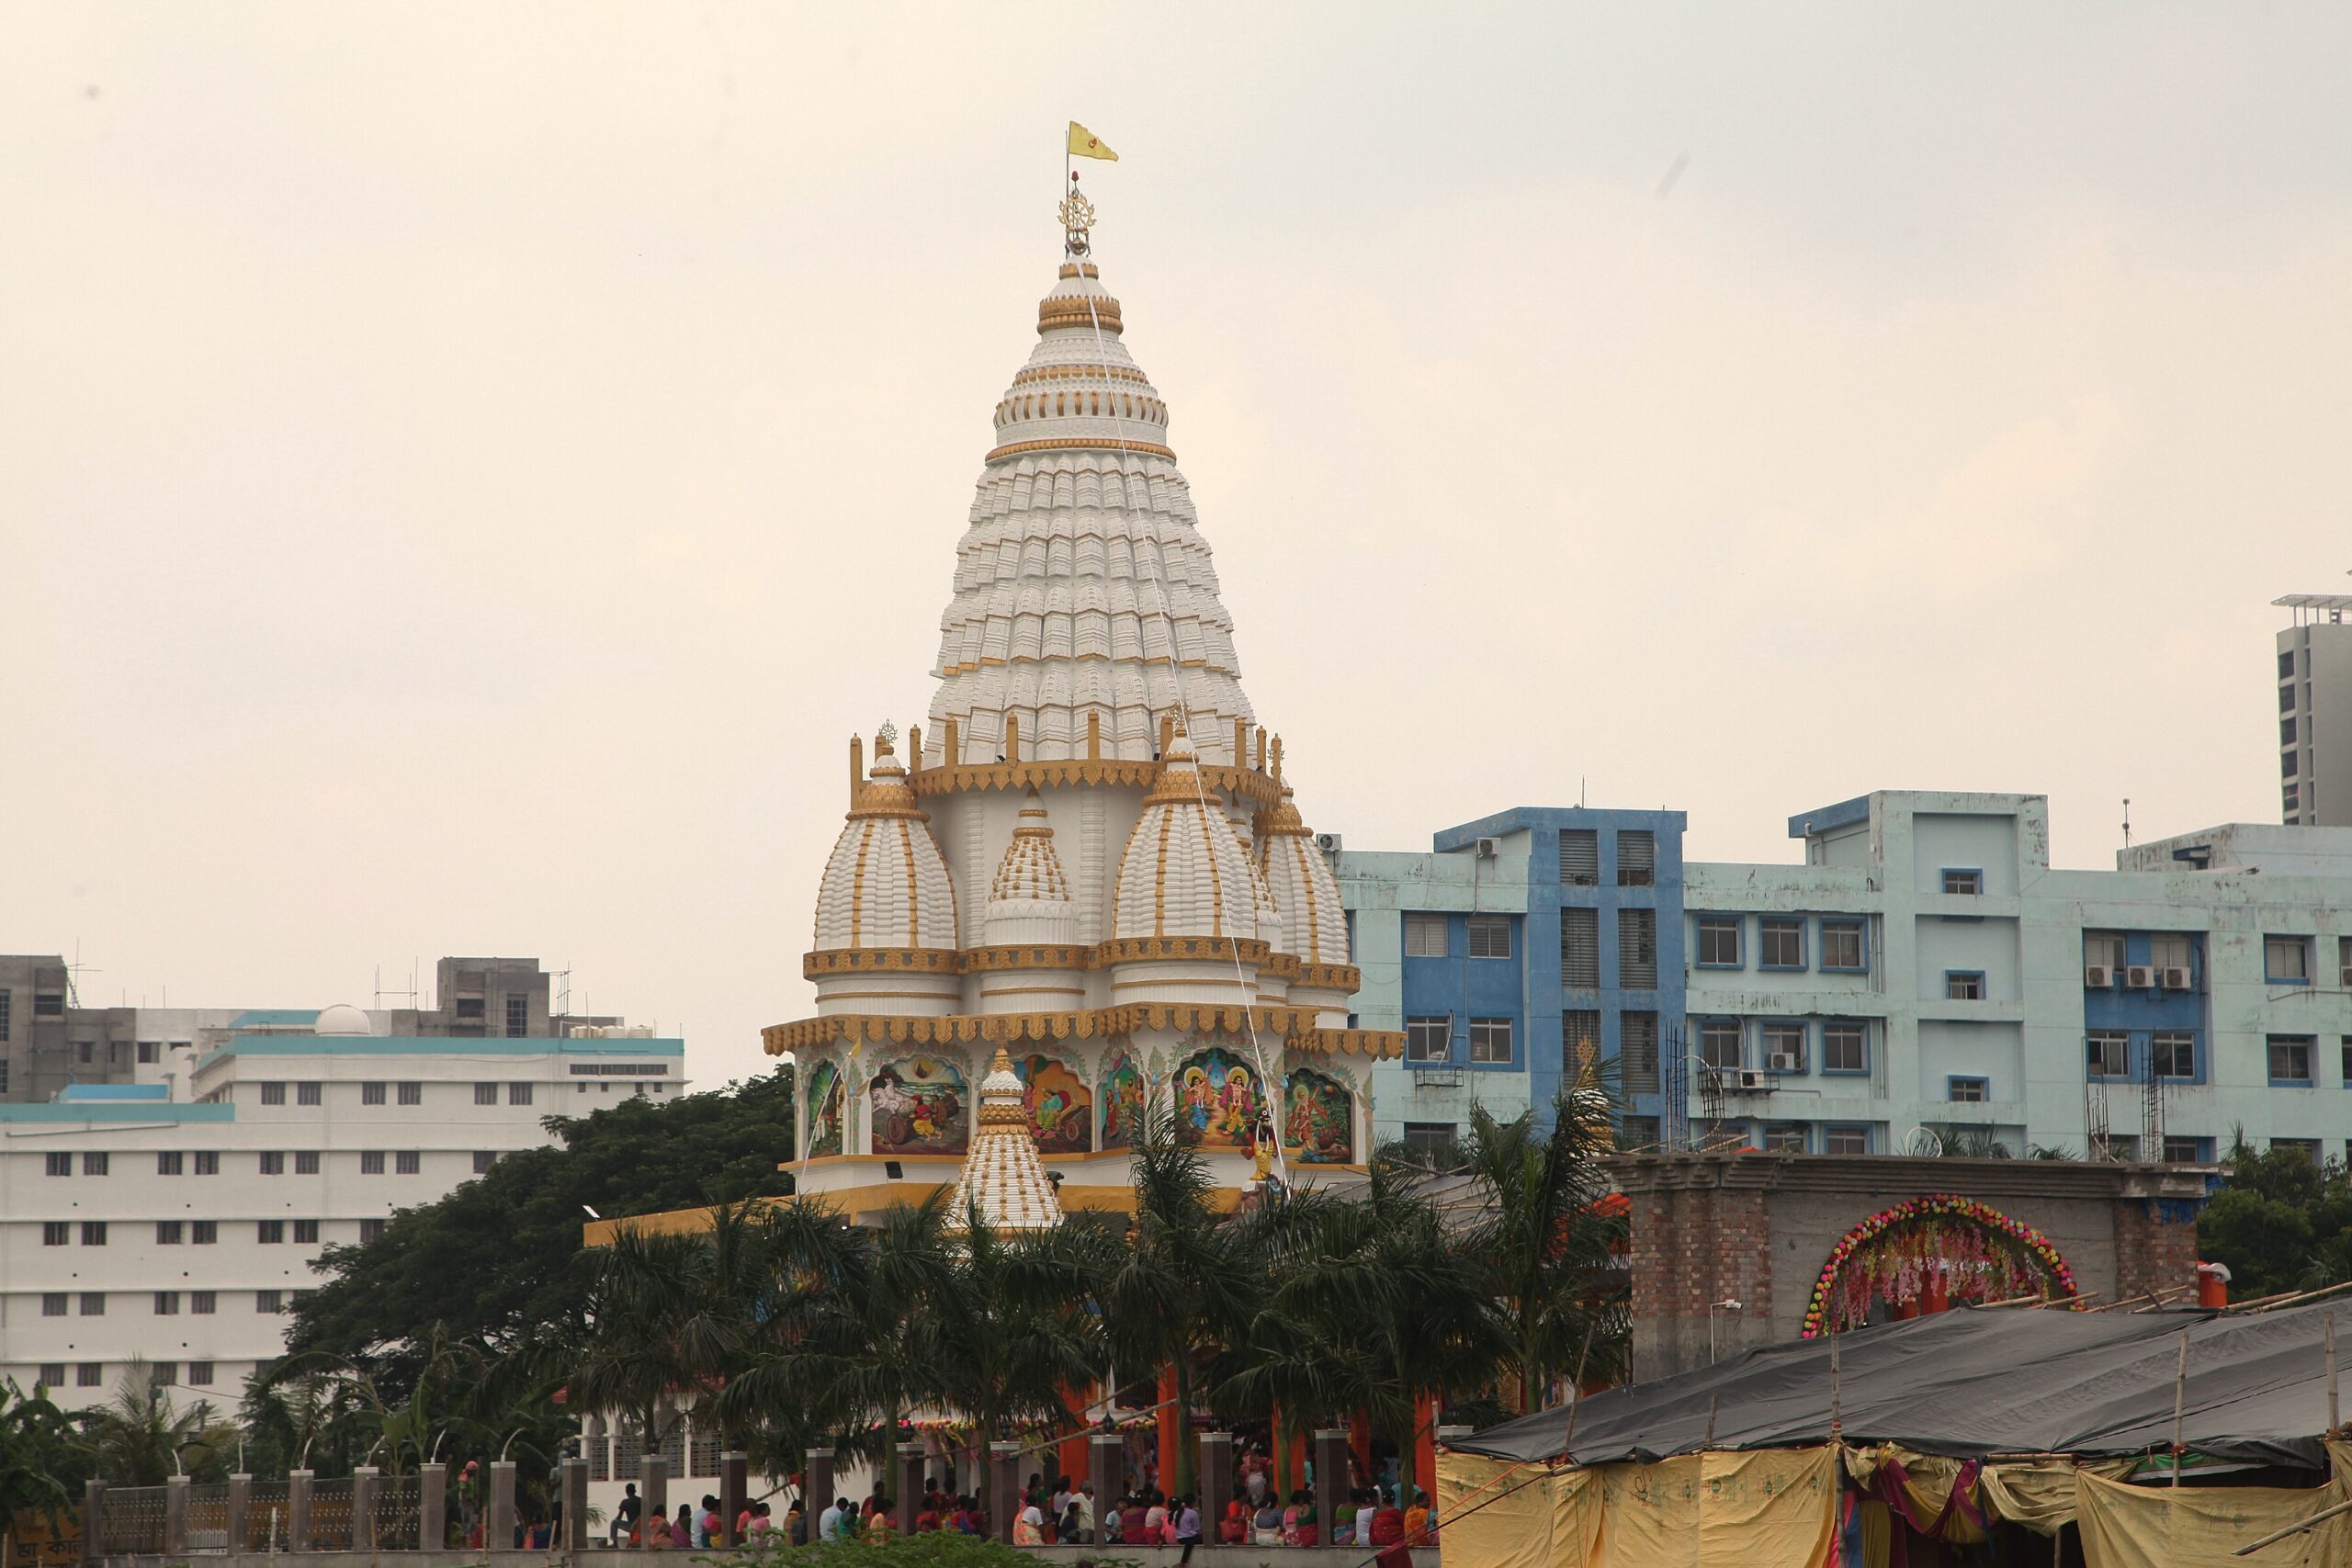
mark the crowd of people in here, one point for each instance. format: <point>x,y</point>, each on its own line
<point>697,1528</point>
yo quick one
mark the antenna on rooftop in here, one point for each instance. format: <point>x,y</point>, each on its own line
<point>73,972</point>
<point>2127,821</point>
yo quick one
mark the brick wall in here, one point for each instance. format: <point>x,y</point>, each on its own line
<point>2155,1246</point>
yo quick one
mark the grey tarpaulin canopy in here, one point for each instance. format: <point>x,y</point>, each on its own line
<point>1981,1381</point>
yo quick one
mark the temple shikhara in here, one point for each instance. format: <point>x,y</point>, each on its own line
<point>1084,876</point>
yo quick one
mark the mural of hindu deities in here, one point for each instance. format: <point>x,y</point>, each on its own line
<point>1122,1101</point>
<point>1217,1098</point>
<point>919,1108</point>
<point>1061,1111</point>
<point>1321,1120</point>
<point>824,1110</point>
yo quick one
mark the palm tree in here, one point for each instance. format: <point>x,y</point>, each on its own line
<point>139,1439</point>
<point>1011,1328</point>
<point>42,1464</point>
<point>1538,1215</point>
<point>1184,1284</point>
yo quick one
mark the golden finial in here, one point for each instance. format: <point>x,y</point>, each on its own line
<point>884,738</point>
<point>1077,219</point>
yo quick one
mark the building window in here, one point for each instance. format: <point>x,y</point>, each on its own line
<point>2346,1046</point>
<point>1580,948</point>
<point>2185,1151</point>
<point>1779,943</point>
<point>94,1233</point>
<point>208,1162</point>
<point>1579,1037</point>
<point>1637,949</point>
<point>306,1162</point>
<point>167,1304</point>
<point>470,1007</point>
<point>1579,857</point>
<point>1845,1140</point>
<point>52,1374</point>
<point>94,1303</point>
<point>59,1164</point>
<point>1636,859</point>
<point>2287,730</point>
<point>203,1303</point>
<point>371,1094</point>
<point>1785,1137</point>
<point>1783,1047</point>
<point>1719,941</point>
<point>1490,936</point>
<point>273,1094</point>
<point>407,1162</point>
<point>371,1162</point>
<point>1432,1140</point>
<point>1719,1043</point>
<point>518,1017</point>
<point>49,1004</point>
<point>2291,1059</point>
<point>411,1094</point>
<point>203,1233</point>
<point>52,1303</point>
<point>2307,1147</point>
<point>269,1301</point>
<point>169,1232</point>
<point>2108,1053</point>
<point>1968,1091</point>
<point>2287,960</point>
<point>485,1094</point>
<point>310,1094</point>
<point>518,1094</point>
<point>1841,946</point>
<point>371,1230</point>
<point>1428,1039</point>
<point>1963,985</point>
<point>2173,1055</point>
<point>1845,1046</point>
<point>199,1374</point>
<point>484,1161</point>
<point>94,1165</point>
<point>56,1233</point>
<point>1637,1035</point>
<point>169,1162</point>
<point>1639,1133</point>
<point>2171,950</point>
<point>7,999</point>
<point>2103,950</point>
<point>270,1233</point>
<point>1424,936</point>
<point>1958,879</point>
<point>150,1052</point>
<point>89,1374</point>
<point>1490,1040</point>
<point>306,1232</point>
<point>273,1163</point>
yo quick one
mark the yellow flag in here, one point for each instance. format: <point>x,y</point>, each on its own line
<point>1084,143</point>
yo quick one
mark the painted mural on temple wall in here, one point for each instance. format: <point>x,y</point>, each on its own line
<point>1217,1098</point>
<point>1321,1120</point>
<point>1061,1112</point>
<point>921,1107</point>
<point>1122,1101</point>
<point>824,1110</point>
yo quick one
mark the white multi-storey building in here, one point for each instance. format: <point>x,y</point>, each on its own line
<point>2315,711</point>
<point>173,1221</point>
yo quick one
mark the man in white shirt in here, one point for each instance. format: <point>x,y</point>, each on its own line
<point>828,1523</point>
<point>1086,1514</point>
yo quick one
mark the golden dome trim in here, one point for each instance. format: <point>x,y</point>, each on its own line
<point>1035,373</point>
<point>1296,1026</point>
<point>1059,312</point>
<point>880,960</point>
<point>1080,443</point>
<point>955,778</point>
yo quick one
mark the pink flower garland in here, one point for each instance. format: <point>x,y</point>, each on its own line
<point>1962,1254</point>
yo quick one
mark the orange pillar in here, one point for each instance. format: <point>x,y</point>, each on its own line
<point>1167,1445</point>
<point>1294,1454</point>
<point>1360,1439</point>
<point>1424,1445</point>
<point>1071,1450</point>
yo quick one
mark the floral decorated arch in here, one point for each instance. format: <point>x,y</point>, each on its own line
<point>1938,1245</point>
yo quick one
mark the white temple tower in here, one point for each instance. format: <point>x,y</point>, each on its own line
<point>1095,865</point>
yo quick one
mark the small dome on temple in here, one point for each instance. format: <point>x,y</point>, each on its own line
<point>1315,925</point>
<point>1003,1178</point>
<point>1029,901</point>
<point>1182,871</point>
<point>886,884</point>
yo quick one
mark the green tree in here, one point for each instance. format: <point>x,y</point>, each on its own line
<point>42,1459</point>
<point>1012,1326</point>
<point>139,1438</point>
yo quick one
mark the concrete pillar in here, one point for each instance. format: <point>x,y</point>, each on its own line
<point>365,1479</point>
<point>498,1512</point>
<point>298,1509</point>
<point>1004,1488</point>
<point>909,1498</point>
<point>573,1475</point>
<point>653,1485</point>
<point>1106,1466</point>
<point>241,1513</point>
<point>1332,1480</point>
<point>176,1491</point>
<point>734,1487</point>
<point>819,1486</point>
<point>1216,1478</point>
<point>432,1506</point>
<point>94,1521</point>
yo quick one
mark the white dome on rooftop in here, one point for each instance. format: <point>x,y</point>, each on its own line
<point>342,1019</point>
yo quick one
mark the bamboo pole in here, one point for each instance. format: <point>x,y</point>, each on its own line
<point>2179,1400</point>
<point>2327,1323</point>
<point>2250,1548</point>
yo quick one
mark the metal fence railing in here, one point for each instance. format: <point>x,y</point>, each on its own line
<point>208,1517</point>
<point>393,1517</point>
<point>330,1516</point>
<point>134,1520</point>
<point>266,1524</point>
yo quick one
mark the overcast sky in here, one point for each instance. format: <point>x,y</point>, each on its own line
<point>465,470</point>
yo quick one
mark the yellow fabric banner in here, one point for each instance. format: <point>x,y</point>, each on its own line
<point>1084,143</point>
<point>1767,1509</point>
<point>2201,1527</point>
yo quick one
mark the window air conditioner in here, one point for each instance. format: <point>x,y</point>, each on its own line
<point>1488,849</point>
<point>2098,976</point>
<point>1750,1079</point>
<point>1328,842</point>
<point>2139,977</point>
<point>2176,979</point>
<point>1784,1062</point>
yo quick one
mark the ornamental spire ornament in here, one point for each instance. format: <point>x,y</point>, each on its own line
<point>1077,219</point>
